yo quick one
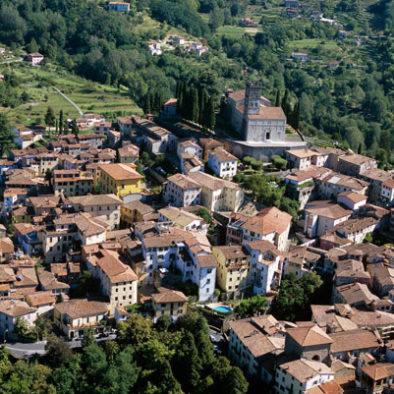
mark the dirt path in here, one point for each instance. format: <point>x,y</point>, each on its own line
<point>69,100</point>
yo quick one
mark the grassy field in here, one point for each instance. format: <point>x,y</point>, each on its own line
<point>236,31</point>
<point>38,82</point>
<point>313,43</point>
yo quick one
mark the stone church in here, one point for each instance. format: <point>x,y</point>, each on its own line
<point>253,117</point>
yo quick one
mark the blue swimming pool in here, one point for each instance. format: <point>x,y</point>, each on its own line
<point>222,309</point>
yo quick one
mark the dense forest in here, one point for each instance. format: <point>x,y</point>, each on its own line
<point>145,358</point>
<point>352,104</point>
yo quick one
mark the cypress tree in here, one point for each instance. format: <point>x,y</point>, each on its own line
<point>195,106</point>
<point>179,105</point>
<point>148,104</point>
<point>188,105</point>
<point>296,116</point>
<point>210,111</point>
<point>203,107</point>
<point>74,128</point>
<point>286,104</point>
<point>178,89</point>
<point>277,99</point>
<point>61,121</point>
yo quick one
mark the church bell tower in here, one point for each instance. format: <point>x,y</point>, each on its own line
<point>252,98</point>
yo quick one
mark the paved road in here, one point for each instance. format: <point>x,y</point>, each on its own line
<point>22,350</point>
<point>26,349</point>
<point>69,100</point>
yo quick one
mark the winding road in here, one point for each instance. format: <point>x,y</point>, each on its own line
<point>25,350</point>
<point>69,100</point>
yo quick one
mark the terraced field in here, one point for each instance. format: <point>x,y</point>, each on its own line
<point>89,96</point>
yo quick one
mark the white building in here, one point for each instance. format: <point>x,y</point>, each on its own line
<point>43,301</point>
<point>188,252</point>
<point>387,193</point>
<point>270,224</point>
<point>10,311</point>
<point>182,191</point>
<point>321,216</point>
<point>183,220</point>
<point>189,146</point>
<point>302,159</point>
<point>26,136</point>
<point>299,376</point>
<point>218,194</point>
<point>266,266</point>
<point>351,200</point>
<point>118,280</point>
<point>222,163</point>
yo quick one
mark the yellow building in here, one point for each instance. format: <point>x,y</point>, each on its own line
<point>120,179</point>
<point>232,270</point>
<point>169,302</point>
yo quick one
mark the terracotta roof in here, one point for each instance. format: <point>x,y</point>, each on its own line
<point>354,197</point>
<point>389,183</point>
<point>265,113</point>
<point>305,370</point>
<point>356,159</point>
<point>49,282</point>
<point>237,95</point>
<point>303,153</point>
<point>6,246</point>
<point>114,269</point>
<point>59,269</point>
<point>121,172</point>
<point>206,261</point>
<point>183,181</point>
<point>211,182</point>
<point>382,274</point>
<point>325,316</point>
<point>327,209</point>
<point>6,273</point>
<point>77,308</point>
<point>40,298</point>
<point>209,143</point>
<point>96,199</point>
<point>232,252</point>
<point>129,150</point>
<point>178,216</point>
<point>254,340</point>
<point>263,246</point>
<point>331,387</point>
<point>139,206</point>
<point>269,220</point>
<point>347,341</point>
<point>44,201</point>
<point>167,295</point>
<point>223,155</point>
<point>372,319</point>
<point>15,308</point>
<point>356,293</point>
<point>379,370</point>
<point>311,335</point>
<point>26,277</point>
<point>346,181</point>
<point>376,174</point>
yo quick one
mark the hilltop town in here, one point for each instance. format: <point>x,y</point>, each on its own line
<point>110,219</point>
<point>196,196</point>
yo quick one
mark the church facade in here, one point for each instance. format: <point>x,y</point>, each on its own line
<point>253,117</point>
